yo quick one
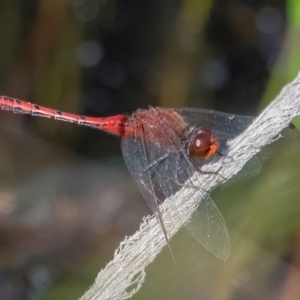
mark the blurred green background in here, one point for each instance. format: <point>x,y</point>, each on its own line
<point>66,199</point>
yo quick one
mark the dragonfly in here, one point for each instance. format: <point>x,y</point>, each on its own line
<point>163,148</point>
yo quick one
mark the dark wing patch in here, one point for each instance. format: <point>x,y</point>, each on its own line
<point>223,126</point>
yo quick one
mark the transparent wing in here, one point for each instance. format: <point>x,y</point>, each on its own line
<point>137,161</point>
<point>227,126</point>
<point>207,224</point>
<point>137,164</point>
<point>208,227</point>
<point>166,171</point>
<point>222,125</point>
<point>161,171</point>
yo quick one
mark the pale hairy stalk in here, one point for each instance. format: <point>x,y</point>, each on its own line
<point>124,275</point>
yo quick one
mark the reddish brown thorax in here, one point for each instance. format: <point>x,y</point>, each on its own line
<point>147,124</point>
<point>203,145</point>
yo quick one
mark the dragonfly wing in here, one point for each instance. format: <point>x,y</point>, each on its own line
<point>160,172</point>
<point>208,227</point>
<point>228,124</point>
<point>137,161</point>
<point>224,127</point>
<point>137,164</point>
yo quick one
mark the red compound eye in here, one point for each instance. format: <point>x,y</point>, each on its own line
<point>203,145</point>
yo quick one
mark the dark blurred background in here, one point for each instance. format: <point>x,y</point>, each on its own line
<point>66,199</point>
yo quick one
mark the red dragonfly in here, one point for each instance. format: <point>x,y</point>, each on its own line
<point>162,149</point>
